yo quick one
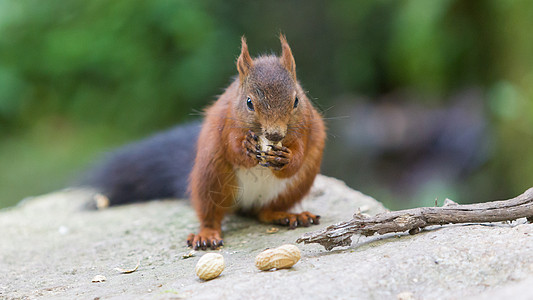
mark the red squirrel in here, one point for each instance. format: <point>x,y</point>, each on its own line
<point>233,172</point>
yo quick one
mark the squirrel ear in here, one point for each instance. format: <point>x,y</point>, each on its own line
<point>244,62</point>
<point>287,60</point>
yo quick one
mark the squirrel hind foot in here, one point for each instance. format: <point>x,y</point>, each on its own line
<point>303,219</point>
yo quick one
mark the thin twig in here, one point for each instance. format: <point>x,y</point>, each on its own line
<point>412,220</point>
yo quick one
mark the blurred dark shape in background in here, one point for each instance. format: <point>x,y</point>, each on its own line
<point>398,143</point>
<point>424,99</point>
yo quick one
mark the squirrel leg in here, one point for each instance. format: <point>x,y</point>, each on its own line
<point>211,211</point>
<point>212,195</point>
<point>304,219</point>
<point>210,234</point>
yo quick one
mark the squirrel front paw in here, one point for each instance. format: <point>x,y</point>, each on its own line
<point>277,157</point>
<point>207,238</point>
<point>251,146</point>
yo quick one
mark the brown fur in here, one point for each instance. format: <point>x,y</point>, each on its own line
<point>226,142</point>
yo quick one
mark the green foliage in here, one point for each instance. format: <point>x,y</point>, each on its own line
<point>91,60</point>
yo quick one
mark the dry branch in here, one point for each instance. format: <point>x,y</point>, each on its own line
<point>413,220</point>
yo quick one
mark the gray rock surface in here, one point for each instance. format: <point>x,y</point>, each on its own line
<point>50,248</point>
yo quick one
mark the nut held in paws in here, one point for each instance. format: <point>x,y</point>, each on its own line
<point>282,257</point>
<point>263,143</point>
<point>210,266</point>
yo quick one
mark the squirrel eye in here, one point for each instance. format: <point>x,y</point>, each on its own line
<point>250,104</point>
<point>295,102</point>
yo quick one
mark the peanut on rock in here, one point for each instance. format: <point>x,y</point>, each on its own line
<point>282,257</point>
<point>210,266</point>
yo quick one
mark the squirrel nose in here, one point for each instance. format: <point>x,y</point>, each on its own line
<point>274,136</point>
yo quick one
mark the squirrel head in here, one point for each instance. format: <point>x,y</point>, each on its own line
<point>270,99</point>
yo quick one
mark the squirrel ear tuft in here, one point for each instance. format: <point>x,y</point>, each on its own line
<point>244,62</point>
<point>287,60</point>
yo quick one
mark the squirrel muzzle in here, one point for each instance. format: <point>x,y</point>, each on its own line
<point>275,133</point>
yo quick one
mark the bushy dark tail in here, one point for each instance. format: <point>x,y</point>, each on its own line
<point>153,168</point>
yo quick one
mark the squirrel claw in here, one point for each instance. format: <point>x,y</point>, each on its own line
<point>293,225</point>
<point>253,135</point>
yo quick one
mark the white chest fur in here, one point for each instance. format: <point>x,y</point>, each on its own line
<point>257,187</point>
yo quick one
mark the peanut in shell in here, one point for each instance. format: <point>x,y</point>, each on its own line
<point>283,257</point>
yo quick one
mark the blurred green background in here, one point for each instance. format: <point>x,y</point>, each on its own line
<point>423,99</point>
